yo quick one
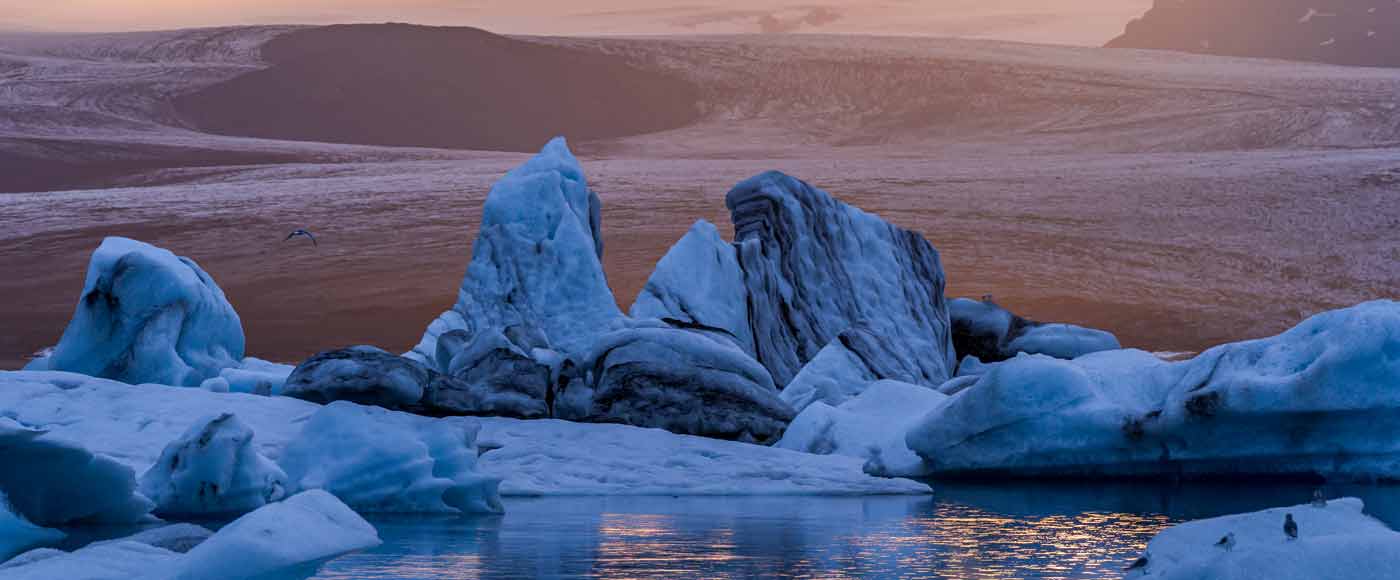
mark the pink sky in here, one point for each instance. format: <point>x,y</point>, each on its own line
<point>1055,21</point>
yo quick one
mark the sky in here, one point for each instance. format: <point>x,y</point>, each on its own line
<point>1084,22</point>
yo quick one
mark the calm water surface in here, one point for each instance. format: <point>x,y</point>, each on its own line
<point>964,531</point>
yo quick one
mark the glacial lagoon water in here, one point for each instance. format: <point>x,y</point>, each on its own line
<point>963,531</point>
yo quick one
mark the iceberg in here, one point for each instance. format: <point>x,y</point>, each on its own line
<point>536,260</point>
<point>814,267</point>
<point>989,333</point>
<point>699,285</point>
<point>870,426</point>
<point>298,533</point>
<point>213,469</point>
<point>494,375</point>
<point>381,461</point>
<point>838,372</point>
<point>1308,402</point>
<point>361,374</point>
<point>1337,541</point>
<point>147,315</point>
<point>52,482</point>
<point>686,382</point>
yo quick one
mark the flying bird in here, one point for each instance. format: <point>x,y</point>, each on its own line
<point>1227,542</point>
<point>1290,527</point>
<point>302,234</point>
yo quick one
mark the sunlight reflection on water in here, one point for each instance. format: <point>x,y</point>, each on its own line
<point>966,532</point>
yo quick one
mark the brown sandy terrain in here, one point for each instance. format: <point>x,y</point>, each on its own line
<point>1177,200</point>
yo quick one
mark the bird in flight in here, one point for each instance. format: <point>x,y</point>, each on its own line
<point>302,234</point>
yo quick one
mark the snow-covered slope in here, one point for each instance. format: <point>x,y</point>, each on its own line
<point>1350,32</point>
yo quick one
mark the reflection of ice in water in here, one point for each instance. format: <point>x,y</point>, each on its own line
<point>966,531</point>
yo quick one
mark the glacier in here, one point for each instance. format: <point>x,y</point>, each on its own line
<point>147,315</point>
<point>1336,541</point>
<point>1308,402</point>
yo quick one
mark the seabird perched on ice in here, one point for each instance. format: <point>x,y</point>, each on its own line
<point>1290,527</point>
<point>302,234</point>
<point>1227,542</point>
<point>1139,564</point>
<point>1319,500</point>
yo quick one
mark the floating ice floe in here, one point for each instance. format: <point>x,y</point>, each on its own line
<point>870,426</point>
<point>1310,401</point>
<point>130,427</point>
<point>147,315</point>
<point>288,538</point>
<point>1335,542</point>
<point>552,457</point>
<point>985,330</point>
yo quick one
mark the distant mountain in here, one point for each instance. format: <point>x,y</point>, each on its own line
<point>1348,32</point>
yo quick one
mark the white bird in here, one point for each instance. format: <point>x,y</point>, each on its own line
<point>302,234</point>
<point>1227,542</point>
